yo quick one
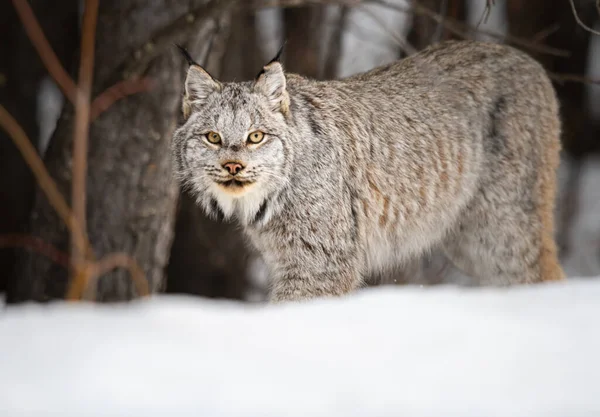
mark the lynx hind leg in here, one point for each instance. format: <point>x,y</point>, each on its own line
<point>506,235</point>
<point>502,246</point>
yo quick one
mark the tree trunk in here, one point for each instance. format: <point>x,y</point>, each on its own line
<point>21,72</point>
<point>334,47</point>
<point>304,36</point>
<point>243,58</point>
<point>131,195</point>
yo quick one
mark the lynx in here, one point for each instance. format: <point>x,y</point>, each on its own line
<point>455,147</point>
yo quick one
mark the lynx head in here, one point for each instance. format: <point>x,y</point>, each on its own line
<point>231,152</point>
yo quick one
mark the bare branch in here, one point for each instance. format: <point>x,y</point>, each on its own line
<point>486,12</point>
<point>572,78</point>
<point>82,256</point>
<point>579,21</point>
<point>462,30</point>
<point>82,124</point>
<point>259,4</point>
<point>439,30</point>
<point>543,34</point>
<point>117,92</point>
<point>48,186</point>
<point>176,32</point>
<point>44,50</point>
<point>406,47</point>
<point>37,245</point>
<point>90,273</point>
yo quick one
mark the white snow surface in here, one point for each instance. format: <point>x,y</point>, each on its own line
<point>388,351</point>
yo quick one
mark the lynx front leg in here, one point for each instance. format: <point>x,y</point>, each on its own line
<point>303,285</point>
<point>313,271</point>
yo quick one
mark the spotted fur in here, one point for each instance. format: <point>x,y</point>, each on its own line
<point>456,146</point>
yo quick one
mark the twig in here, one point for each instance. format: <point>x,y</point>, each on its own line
<point>82,257</point>
<point>439,30</point>
<point>460,29</point>
<point>117,92</point>
<point>175,32</point>
<point>486,12</point>
<point>122,260</point>
<point>44,50</point>
<point>406,47</point>
<point>334,49</point>
<point>48,186</point>
<point>211,43</point>
<point>93,270</point>
<point>35,244</point>
<point>544,33</point>
<point>572,78</point>
<point>579,21</point>
<point>299,3</point>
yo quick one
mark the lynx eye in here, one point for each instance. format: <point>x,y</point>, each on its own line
<point>213,137</point>
<point>256,137</point>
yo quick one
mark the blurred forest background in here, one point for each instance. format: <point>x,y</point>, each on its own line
<point>133,207</point>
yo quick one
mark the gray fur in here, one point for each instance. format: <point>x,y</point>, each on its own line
<point>455,146</point>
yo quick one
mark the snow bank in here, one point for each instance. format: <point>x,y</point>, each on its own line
<point>391,351</point>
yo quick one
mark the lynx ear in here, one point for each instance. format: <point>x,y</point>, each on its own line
<point>199,85</point>
<point>271,83</point>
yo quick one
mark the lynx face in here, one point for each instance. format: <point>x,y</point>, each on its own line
<point>231,151</point>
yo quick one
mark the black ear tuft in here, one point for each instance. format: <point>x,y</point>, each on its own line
<point>276,59</point>
<point>279,53</point>
<point>186,55</point>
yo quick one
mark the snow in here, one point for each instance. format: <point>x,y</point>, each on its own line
<point>388,351</point>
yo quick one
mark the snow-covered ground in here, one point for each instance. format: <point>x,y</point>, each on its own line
<point>389,351</point>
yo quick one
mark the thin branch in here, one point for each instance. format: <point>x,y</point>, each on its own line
<point>82,124</point>
<point>544,33</point>
<point>44,180</point>
<point>122,260</point>
<point>93,270</point>
<point>579,21</point>
<point>260,4</point>
<point>334,49</point>
<point>460,29</point>
<point>35,244</point>
<point>117,92</point>
<point>572,78</point>
<point>176,32</point>
<point>57,71</point>
<point>439,30</point>
<point>45,51</point>
<point>486,12</point>
<point>406,47</point>
<point>82,257</point>
<point>211,43</point>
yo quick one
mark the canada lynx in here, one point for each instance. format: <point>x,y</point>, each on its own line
<point>454,147</point>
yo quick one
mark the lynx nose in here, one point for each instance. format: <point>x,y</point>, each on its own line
<point>233,167</point>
